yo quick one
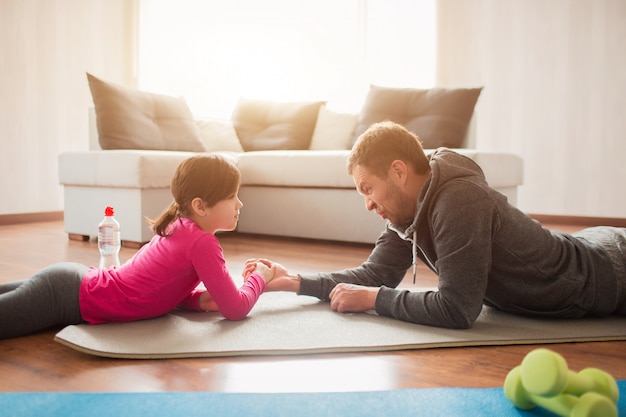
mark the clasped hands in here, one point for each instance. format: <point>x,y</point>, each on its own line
<point>265,269</point>
<point>344,298</point>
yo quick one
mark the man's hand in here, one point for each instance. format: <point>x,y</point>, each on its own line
<point>350,298</point>
<point>282,281</point>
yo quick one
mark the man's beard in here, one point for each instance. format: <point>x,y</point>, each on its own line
<point>405,206</point>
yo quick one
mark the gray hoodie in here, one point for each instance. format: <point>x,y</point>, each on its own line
<point>485,251</point>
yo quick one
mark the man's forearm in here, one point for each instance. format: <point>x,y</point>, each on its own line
<point>292,283</point>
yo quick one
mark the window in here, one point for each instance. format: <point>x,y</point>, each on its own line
<point>213,52</point>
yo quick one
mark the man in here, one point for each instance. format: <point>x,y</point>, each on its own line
<point>485,251</point>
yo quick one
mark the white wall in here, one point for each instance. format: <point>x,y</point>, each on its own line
<point>554,82</point>
<point>45,49</point>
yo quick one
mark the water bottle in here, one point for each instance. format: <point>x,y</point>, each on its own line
<point>109,242</point>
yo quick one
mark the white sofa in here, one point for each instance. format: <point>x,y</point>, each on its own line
<point>303,193</point>
<point>294,193</point>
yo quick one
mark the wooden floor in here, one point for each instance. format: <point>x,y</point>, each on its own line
<point>37,363</point>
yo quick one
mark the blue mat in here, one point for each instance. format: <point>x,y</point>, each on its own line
<point>447,402</point>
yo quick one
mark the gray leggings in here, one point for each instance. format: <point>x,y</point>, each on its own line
<point>49,298</point>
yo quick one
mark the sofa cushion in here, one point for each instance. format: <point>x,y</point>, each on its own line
<point>127,118</point>
<point>265,125</point>
<point>438,116</point>
<point>219,135</point>
<point>333,130</point>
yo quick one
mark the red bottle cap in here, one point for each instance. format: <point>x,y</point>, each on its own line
<point>108,211</point>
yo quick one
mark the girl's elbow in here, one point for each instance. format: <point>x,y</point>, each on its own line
<point>234,315</point>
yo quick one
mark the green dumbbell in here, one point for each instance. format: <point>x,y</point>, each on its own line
<point>590,404</point>
<point>545,373</point>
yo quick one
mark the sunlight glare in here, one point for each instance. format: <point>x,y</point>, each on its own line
<point>214,52</point>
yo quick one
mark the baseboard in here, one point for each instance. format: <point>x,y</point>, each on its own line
<point>6,219</point>
<point>51,216</point>
<point>579,220</point>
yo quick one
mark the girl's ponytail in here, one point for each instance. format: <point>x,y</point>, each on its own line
<point>160,224</point>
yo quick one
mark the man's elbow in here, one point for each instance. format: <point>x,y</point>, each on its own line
<point>462,323</point>
<point>462,320</point>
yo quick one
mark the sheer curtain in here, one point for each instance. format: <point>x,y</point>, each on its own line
<point>214,52</point>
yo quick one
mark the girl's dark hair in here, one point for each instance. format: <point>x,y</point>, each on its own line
<point>210,177</point>
<point>384,142</point>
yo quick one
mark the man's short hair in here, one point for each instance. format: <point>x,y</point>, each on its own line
<point>384,142</point>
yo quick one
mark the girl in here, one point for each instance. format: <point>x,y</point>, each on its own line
<point>160,277</point>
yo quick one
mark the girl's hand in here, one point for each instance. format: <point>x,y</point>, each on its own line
<point>251,265</point>
<point>267,272</point>
<point>248,268</point>
<point>206,302</point>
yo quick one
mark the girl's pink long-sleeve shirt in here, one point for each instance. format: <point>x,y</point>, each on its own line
<point>164,274</point>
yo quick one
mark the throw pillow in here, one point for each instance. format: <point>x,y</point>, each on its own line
<point>219,135</point>
<point>438,116</point>
<point>333,130</point>
<point>127,118</point>
<point>263,125</point>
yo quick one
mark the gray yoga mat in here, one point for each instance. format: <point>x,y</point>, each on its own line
<point>284,323</point>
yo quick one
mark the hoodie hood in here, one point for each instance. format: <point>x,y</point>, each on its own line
<point>445,166</point>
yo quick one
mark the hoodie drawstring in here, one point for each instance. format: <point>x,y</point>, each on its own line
<point>414,254</point>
